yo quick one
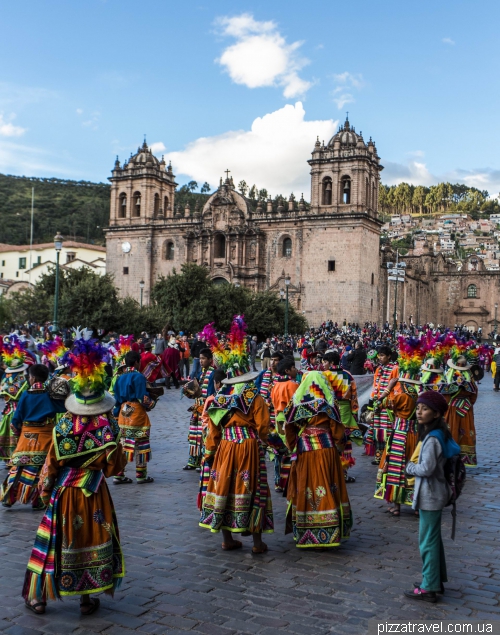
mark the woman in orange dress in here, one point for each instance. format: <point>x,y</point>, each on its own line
<point>77,547</point>
<point>237,499</point>
<point>461,396</point>
<point>319,511</point>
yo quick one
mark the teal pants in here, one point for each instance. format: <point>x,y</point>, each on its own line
<point>431,550</point>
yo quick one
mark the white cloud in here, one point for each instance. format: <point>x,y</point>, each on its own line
<point>343,99</point>
<point>448,40</point>
<point>93,121</point>
<point>79,111</point>
<point>8,129</point>
<point>347,83</point>
<point>157,148</point>
<point>350,79</point>
<point>272,154</point>
<point>261,56</point>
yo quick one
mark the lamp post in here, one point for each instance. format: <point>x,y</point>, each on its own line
<point>58,242</point>
<point>397,273</point>
<point>141,286</point>
<point>495,329</point>
<point>287,284</point>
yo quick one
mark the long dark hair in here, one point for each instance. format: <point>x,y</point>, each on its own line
<point>437,424</point>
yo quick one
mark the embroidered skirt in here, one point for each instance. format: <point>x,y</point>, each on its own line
<point>237,496</point>
<point>460,420</point>
<point>8,439</point>
<point>135,432</point>
<point>392,483</point>
<point>77,549</point>
<point>26,463</point>
<point>319,511</point>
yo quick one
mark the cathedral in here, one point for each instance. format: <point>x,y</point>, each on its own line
<point>327,253</point>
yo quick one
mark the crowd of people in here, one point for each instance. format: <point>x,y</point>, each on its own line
<point>76,413</point>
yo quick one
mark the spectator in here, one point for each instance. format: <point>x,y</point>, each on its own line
<point>253,351</point>
<point>357,359</point>
<point>266,354</point>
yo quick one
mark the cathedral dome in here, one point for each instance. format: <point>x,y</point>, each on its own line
<point>144,157</point>
<point>346,136</point>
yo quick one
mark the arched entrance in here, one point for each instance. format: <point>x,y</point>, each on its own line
<point>220,280</point>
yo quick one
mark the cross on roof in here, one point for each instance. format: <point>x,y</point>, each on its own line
<point>227,173</point>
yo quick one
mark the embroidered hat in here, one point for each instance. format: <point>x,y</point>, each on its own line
<point>54,350</point>
<point>87,361</point>
<point>121,348</point>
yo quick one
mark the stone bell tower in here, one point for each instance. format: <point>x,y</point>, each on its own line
<point>345,174</point>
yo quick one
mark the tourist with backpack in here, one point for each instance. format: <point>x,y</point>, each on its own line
<point>433,474</point>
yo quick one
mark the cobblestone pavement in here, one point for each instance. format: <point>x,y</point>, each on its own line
<point>178,578</point>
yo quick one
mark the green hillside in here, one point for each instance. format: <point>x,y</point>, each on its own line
<point>77,209</point>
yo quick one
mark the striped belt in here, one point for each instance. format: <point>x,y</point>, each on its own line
<point>318,441</point>
<point>238,434</point>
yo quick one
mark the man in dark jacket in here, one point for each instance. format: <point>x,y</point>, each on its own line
<point>357,358</point>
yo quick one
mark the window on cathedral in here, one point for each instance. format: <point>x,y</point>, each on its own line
<point>346,190</point>
<point>219,246</point>
<point>165,205</point>
<point>373,278</point>
<point>367,190</point>
<point>331,265</point>
<point>157,205</point>
<point>472,291</point>
<point>287,248</point>
<point>327,191</point>
<point>125,271</point>
<point>169,250</point>
<point>122,206</point>
<point>374,196</point>
<point>136,210</point>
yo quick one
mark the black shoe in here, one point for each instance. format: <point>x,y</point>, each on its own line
<point>441,590</point>
<point>421,596</point>
<point>375,462</point>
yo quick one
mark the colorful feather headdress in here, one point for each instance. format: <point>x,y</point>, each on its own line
<point>54,350</point>
<point>238,362</point>
<point>87,361</point>
<point>219,351</point>
<point>123,347</point>
<point>410,357</point>
<point>464,348</point>
<point>14,354</point>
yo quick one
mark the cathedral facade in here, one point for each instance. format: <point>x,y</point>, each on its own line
<point>327,252</point>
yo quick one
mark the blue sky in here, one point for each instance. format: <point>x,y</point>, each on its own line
<point>248,86</point>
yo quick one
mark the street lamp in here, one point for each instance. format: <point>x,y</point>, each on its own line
<point>287,284</point>
<point>397,273</point>
<point>495,330</point>
<point>141,286</point>
<point>58,243</point>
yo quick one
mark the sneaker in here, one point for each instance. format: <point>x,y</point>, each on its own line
<point>441,590</point>
<point>421,595</point>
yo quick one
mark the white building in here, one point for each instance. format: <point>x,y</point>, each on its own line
<point>20,264</point>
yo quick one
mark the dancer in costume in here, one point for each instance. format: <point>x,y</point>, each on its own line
<point>319,512</point>
<point>15,359</point>
<point>392,482</point>
<point>207,461</point>
<point>284,387</point>
<point>195,435</point>
<point>133,402</point>
<point>461,396</point>
<point>237,499</point>
<point>380,422</point>
<point>150,365</point>
<point>276,447</point>
<point>53,351</point>
<point>77,548</point>
<point>118,351</point>
<point>344,389</point>
<point>34,421</point>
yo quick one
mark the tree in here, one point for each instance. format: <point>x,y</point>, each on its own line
<point>418,198</point>
<point>192,186</point>
<point>252,194</point>
<point>262,195</point>
<point>205,188</point>
<point>243,187</point>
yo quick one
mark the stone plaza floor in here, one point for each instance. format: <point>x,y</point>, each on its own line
<point>178,578</point>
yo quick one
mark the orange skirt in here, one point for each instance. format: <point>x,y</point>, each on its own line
<point>318,503</point>
<point>237,496</point>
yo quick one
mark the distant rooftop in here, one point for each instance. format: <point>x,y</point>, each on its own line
<point>67,243</point>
